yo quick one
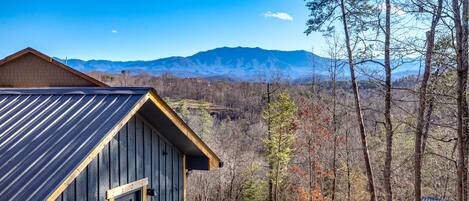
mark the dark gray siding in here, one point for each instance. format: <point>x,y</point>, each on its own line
<point>137,151</point>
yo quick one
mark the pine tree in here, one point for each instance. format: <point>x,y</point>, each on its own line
<point>281,114</point>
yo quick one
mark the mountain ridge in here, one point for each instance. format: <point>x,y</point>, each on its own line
<point>234,63</point>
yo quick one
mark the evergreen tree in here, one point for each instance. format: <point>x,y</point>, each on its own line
<point>280,113</point>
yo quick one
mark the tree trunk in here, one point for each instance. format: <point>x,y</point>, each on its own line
<point>358,110</point>
<point>428,115</point>
<point>387,105</point>
<point>462,114</point>
<point>277,170</point>
<point>310,169</point>
<point>269,133</point>
<point>334,127</point>
<point>419,147</point>
<point>347,152</point>
<point>464,107</point>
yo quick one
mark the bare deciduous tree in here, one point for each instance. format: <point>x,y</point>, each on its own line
<point>422,107</point>
<point>461,37</point>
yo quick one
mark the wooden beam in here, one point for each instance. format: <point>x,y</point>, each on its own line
<point>213,160</point>
<point>67,181</point>
<point>127,188</point>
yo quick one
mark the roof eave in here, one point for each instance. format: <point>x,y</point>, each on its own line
<point>214,161</point>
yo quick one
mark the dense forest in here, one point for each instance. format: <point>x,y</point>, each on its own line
<point>357,134</point>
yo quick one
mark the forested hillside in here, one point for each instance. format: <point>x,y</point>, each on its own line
<point>231,117</point>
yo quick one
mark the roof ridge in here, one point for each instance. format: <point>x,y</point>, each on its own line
<point>77,90</point>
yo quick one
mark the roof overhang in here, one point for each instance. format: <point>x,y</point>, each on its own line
<point>158,113</point>
<point>152,107</point>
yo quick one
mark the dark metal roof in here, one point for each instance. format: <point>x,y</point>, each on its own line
<point>46,133</point>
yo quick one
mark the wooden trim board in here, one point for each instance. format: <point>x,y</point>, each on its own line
<point>144,193</point>
<point>124,189</point>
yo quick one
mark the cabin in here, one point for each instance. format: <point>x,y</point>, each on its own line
<point>72,137</point>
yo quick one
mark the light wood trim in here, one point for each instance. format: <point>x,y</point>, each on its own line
<point>144,193</point>
<point>53,61</point>
<point>213,159</point>
<point>183,177</point>
<point>56,193</point>
<point>124,189</point>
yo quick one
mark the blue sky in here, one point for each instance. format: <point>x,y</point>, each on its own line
<point>143,30</point>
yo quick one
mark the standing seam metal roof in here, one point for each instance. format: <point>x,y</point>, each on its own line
<point>46,133</point>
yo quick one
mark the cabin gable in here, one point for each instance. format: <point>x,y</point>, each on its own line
<point>138,151</point>
<point>31,71</point>
<point>30,68</point>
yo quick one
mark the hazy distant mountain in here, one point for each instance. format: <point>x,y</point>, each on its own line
<point>239,63</point>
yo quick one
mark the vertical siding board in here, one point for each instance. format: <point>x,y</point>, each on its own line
<point>175,174</point>
<point>139,147</point>
<point>103,168</point>
<point>92,179</point>
<point>180,175</point>
<point>81,186</point>
<point>65,194</point>
<point>114,161</point>
<point>131,150</point>
<point>155,162</point>
<point>147,154</point>
<point>169,173</point>
<point>123,156</point>
<point>69,192</point>
<point>163,155</point>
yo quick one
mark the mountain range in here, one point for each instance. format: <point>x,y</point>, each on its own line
<point>233,63</point>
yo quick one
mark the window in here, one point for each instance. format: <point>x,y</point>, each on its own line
<point>133,196</point>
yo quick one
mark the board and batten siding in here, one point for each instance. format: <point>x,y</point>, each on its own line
<point>136,152</point>
<point>30,70</point>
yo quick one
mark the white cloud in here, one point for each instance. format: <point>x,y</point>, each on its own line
<point>278,15</point>
<point>114,31</point>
